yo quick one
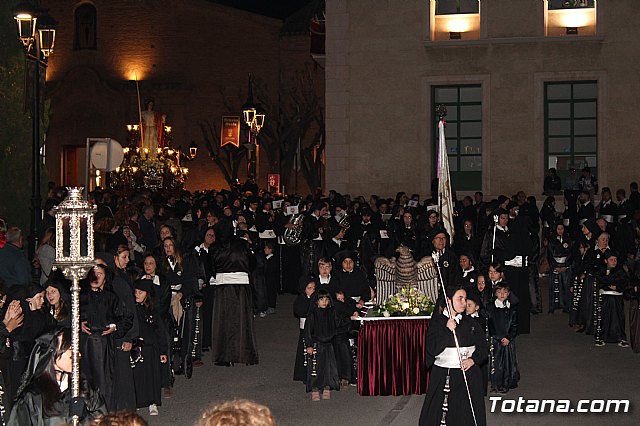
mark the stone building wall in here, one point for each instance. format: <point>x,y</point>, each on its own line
<point>381,65</point>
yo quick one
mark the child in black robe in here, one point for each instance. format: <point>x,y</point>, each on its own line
<point>611,281</point>
<point>320,331</point>
<point>503,328</point>
<point>346,311</point>
<point>476,310</point>
<point>150,350</point>
<point>301,307</point>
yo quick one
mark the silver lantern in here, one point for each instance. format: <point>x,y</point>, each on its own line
<point>75,258</point>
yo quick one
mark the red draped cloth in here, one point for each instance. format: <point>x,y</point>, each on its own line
<point>392,357</point>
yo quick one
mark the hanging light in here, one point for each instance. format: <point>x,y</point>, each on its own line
<point>193,150</point>
<point>26,19</point>
<point>47,34</point>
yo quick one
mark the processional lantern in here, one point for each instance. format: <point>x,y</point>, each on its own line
<point>75,258</point>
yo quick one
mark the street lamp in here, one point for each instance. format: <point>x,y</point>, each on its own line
<point>38,47</point>
<point>254,118</point>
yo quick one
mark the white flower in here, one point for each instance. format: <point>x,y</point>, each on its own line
<point>416,310</point>
<point>386,314</point>
<point>405,306</point>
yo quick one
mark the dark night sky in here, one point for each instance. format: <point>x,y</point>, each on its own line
<point>273,8</point>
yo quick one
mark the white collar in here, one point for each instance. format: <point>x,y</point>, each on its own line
<point>324,280</point>
<point>505,228</point>
<point>464,273</point>
<point>475,315</point>
<point>269,256</point>
<point>504,304</point>
<point>458,317</point>
<point>155,279</point>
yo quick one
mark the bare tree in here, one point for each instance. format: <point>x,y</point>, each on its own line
<point>288,121</point>
<point>228,158</point>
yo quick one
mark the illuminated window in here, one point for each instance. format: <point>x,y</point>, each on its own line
<point>571,131</point>
<point>570,4</point>
<point>570,18</point>
<point>455,20</point>
<point>463,133</point>
<point>85,27</point>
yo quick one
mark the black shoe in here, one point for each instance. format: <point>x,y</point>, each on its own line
<point>223,364</point>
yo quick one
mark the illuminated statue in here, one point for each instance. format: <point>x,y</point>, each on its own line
<point>152,129</point>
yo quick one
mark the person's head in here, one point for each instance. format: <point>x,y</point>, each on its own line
<point>149,104</point>
<point>620,195</point>
<point>348,264</point>
<point>268,248</point>
<point>62,360</point>
<point>503,218</point>
<point>209,237</point>
<point>612,260</point>
<point>585,229</point>
<point>35,297</point>
<point>467,226</point>
<point>496,271</point>
<point>432,218</point>
<point>552,171</point>
<point>633,187</point>
<point>465,262</point>
<point>143,290</point>
<point>439,240</point>
<point>586,171</point>
<point>127,418</point>
<point>572,172</point>
<point>97,277</point>
<point>14,236</point>
<point>521,198</point>
<point>559,229</point>
<point>602,242</point>
<point>459,300</point>
<point>319,208</point>
<point>169,245</point>
<point>473,302</point>
<point>49,237</point>
<point>121,256</point>
<point>150,264</point>
<point>310,288</point>
<point>340,295</point>
<point>602,223</point>
<point>481,281</point>
<point>502,291</point>
<point>212,218</point>
<point>324,267</point>
<point>584,196</point>
<point>147,212</point>
<point>407,218</point>
<point>583,247</point>
<point>606,194</point>
<point>477,197</point>
<point>324,300</point>
<point>165,232</point>
<point>237,412</point>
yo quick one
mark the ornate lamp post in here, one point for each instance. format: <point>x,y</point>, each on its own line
<point>75,257</point>
<point>36,31</point>
<point>254,119</point>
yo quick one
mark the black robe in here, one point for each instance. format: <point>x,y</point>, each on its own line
<point>319,332</point>
<point>301,307</point>
<point>611,323</point>
<point>28,409</point>
<point>151,344</point>
<point>439,337</point>
<point>353,284</point>
<point>99,309</point>
<point>503,322</point>
<point>233,336</point>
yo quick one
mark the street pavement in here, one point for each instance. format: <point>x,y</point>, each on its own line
<point>554,361</point>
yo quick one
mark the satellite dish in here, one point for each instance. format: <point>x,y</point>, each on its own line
<point>107,154</point>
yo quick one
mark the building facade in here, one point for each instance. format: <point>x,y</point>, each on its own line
<point>528,85</point>
<point>191,57</point>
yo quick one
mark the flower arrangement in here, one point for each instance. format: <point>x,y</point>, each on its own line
<point>406,303</point>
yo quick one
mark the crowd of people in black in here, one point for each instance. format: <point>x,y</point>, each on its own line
<point>180,274</point>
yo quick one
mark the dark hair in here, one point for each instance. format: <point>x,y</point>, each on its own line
<point>178,255</point>
<point>501,284</point>
<point>47,382</point>
<point>497,266</point>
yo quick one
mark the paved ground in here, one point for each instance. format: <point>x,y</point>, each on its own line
<point>555,363</point>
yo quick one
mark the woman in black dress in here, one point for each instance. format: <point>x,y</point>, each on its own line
<point>447,400</point>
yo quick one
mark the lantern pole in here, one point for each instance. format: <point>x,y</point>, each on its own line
<point>75,258</point>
